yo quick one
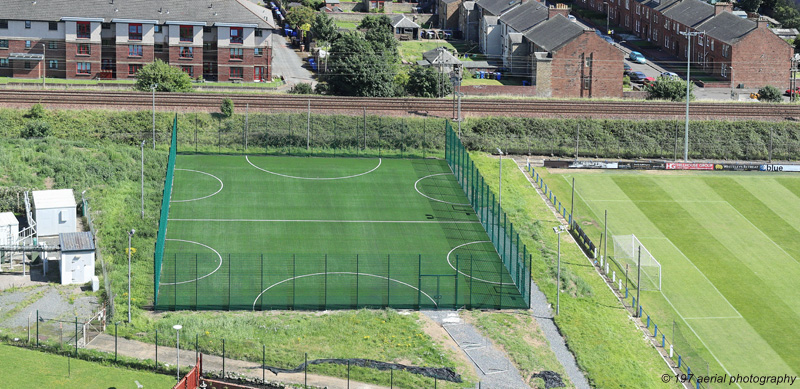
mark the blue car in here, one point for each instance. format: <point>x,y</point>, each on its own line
<point>637,57</point>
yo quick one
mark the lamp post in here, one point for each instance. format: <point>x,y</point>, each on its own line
<point>177,328</point>
<point>608,32</point>
<point>500,181</point>
<point>44,64</point>
<point>153,88</point>
<point>142,179</point>
<point>558,230</point>
<point>688,34</point>
<point>130,235</point>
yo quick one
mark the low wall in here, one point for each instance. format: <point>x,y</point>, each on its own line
<point>492,90</point>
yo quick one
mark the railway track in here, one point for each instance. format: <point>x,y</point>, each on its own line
<point>402,106</point>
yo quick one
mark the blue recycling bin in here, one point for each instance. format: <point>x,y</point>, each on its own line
<point>498,76</point>
<point>483,74</point>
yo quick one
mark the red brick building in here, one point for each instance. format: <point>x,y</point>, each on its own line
<point>219,40</point>
<point>735,50</point>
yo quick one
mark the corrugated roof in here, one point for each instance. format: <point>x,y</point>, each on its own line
<point>210,11</point>
<point>727,27</point>
<point>56,198</point>
<point>554,33</point>
<point>690,12</point>
<point>498,7</point>
<point>76,241</point>
<point>7,219</point>
<point>524,17</point>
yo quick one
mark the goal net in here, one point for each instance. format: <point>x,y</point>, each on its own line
<point>626,252</point>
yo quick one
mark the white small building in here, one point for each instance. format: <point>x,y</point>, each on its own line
<point>9,229</point>
<point>55,211</point>
<point>77,257</point>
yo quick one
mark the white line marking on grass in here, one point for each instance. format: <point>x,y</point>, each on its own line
<point>221,185</point>
<point>200,278</point>
<point>659,201</point>
<point>341,272</point>
<point>762,232</point>
<point>329,221</point>
<point>713,318</point>
<point>429,197</point>
<point>380,160</point>
<point>468,276</point>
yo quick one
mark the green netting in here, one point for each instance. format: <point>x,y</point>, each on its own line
<point>501,233</point>
<point>158,256</point>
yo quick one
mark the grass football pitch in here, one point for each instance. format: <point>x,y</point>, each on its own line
<point>266,232</point>
<point>729,247</point>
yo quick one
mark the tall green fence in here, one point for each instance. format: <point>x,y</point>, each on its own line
<point>158,256</point>
<point>494,220</point>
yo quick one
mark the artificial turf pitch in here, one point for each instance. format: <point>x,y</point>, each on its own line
<point>265,232</point>
<point>729,246</point>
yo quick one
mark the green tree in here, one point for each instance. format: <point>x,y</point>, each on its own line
<point>749,5</point>
<point>669,89</point>
<point>426,81</point>
<point>36,129</point>
<point>373,21</point>
<point>354,69</point>
<point>227,107</point>
<point>299,16</point>
<point>302,88</point>
<point>167,78</point>
<point>770,94</point>
<point>379,33</point>
<point>324,28</point>
<point>797,44</point>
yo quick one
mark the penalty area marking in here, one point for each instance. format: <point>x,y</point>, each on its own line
<point>467,275</point>
<point>341,272</point>
<point>380,160</point>
<point>221,185</point>
<point>431,198</point>
<point>200,278</point>
<point>329,221</point>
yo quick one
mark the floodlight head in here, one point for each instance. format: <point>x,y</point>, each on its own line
<point>143,143</point>
<point>131,232</point>
<point>555,229</point>
<point>499,151</point>
<point>177,327</point>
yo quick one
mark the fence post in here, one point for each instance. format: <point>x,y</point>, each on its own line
<point>156,366</point>
<point>348,374</point>
<point>263,363</point>
<point>305,371</point>
<point>37,328</point>
<point>223,357</point>
<point>76,336</point>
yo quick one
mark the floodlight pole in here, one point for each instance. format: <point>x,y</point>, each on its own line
<point>177,328</point>
<point>130,235</point>
<point>688,35</point>
<point>500,181</point>
<point>142,179</point>
<point>153,88</point>
<point>572,203</point>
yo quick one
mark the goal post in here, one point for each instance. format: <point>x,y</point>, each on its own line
<point>626,252</point>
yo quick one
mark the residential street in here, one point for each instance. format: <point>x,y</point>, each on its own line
<point>286,63</point>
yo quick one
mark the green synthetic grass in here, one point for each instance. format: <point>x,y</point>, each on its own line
<point>296,238</point>
<point>32,369</point>
<point>730,257</point>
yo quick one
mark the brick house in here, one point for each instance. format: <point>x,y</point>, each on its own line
<point>490,12</point>
<point>733,49</point>
<point>226,40</point>
<point>569,61</point>
<point>514,23</point>
<point>448,14</point>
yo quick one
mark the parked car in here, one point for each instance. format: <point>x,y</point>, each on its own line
<point>638,77</point>
<point>670,75</point>
<point>637,57</point>
<point>790,92</point>
<point>627,69</point>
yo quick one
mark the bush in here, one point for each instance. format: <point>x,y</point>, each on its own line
<point>227,107</point>
<point>672,89</point>
<point>302,88</point>
<point>770,94</point>
<point>37,111</point>
<point>166,78</point>
<point>36,129</point>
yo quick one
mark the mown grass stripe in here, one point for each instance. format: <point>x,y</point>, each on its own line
<point>755,301</point>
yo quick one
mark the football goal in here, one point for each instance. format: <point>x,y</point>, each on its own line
<point>627,249</point>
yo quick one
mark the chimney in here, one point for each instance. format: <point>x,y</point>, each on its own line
<point>721,7</point>
<point>762,23</point>
<point>559,9</point>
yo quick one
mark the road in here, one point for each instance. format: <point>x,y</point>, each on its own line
<point>286,63</point>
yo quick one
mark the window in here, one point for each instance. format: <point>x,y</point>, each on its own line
<point>84,30</point>
<point>725,50</point>
<point>134,50</point>
<point>157,28</point>
<point>158,48</point>
<point>588,62</point>
<point>236,73</point>
<point>52,45</point>
<point>699,40</point>
<point>638,9</point>
<point>105,26</point>
<point>237,54</point>
<point>3,62</point>
<point>236,35</point>
<point>188,70</point>
<point>27,44</point>
<point>258,73</point>
<point>84,68</point>
<point>53,26</point>
<point>134,32</point>
<point>258,51</point>
<point>187,52</point>
<point>627,4</point>
<point>52,64</point>
<point>27,24</point>
<point>655,18</point>
<point>723,71</point>
<point>259,32</point>
<point>712,45</point>
<point>27,65</point>
<point>187,33</point>
<point>3,23</point>
<point>133,68</point>
<point>655,35</point>
<point>3,43</point>
<point>84,49</point>
<point>107,65</point>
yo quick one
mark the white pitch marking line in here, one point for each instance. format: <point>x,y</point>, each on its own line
<point>713,317</point>
<point>340,272</point>
<point>328,221</point>
<point>196,279</point>
<point>763,233</point>
<point>380,160</point>
<point>221,185</point>
<point>468,276</point>
<point>429,197</point>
